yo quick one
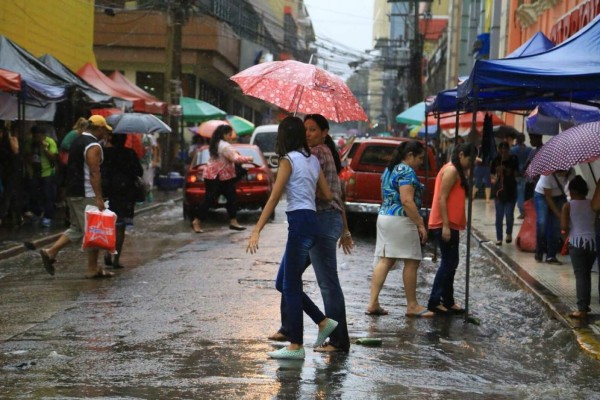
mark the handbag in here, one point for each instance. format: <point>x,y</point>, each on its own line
<point>140,189</point>
<point>99,229</point>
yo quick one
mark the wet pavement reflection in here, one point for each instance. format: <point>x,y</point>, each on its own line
<point>189,316</point>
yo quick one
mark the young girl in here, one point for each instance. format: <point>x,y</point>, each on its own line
<point>300,175</point>
<point>578,216</point>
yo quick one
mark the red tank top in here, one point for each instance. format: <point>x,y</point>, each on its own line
<point>455,206</point>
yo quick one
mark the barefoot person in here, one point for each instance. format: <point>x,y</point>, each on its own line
<point>83,188</point>
<point>400,228</point>
<point>299,175</point>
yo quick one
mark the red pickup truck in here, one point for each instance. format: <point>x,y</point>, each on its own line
<point>364,162</point>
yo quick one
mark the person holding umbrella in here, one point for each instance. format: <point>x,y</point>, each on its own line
<point>333,227</point>
<point>220,177</point>
<point>301,177</point>
<point>504,170</point>
<point>120,170</point>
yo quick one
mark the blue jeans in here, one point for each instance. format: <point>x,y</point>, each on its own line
<point>303,230</point>
<point>547,225</point>
<point>504,209</point>
<point>521,194</point>
<point>324,260</point>
<point>583,259</point>
<point>442,291</point>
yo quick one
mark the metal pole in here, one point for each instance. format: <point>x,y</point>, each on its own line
<point>472,140</point>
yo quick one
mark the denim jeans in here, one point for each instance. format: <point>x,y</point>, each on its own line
<point>324,260</point>
<point>504,209</point>
<point>521,194</point>
<point>582,259</point>
<point>442,291</point>
<point>547,226</point>
<point>303,229</point>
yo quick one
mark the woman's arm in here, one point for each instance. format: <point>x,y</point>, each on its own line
<point>449,178</point>
<point>346,242</point>
<point>283,174</point>
<point>323,191</point>
<point>565,217</point>
<point>407,196</point>
<point>551,205</point>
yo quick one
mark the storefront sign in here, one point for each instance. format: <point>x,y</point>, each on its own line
<point>576,19</point>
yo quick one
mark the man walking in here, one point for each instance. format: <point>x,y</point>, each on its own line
<point>83,188</point>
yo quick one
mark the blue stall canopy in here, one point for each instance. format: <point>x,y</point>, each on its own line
<point>446,100</point>
<point>569,71</point>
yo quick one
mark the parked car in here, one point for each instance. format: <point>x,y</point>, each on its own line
<point>265,137</point>
<point>253,190</point>
<point>364,162</point>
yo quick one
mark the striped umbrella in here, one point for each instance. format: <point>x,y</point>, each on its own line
<point>580,144</point>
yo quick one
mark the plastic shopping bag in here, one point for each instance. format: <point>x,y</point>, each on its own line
<point>100,232</point>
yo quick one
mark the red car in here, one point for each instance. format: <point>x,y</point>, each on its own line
<point>365,161</point>
<point>253,190</point>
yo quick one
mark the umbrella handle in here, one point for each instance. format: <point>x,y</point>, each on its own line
<point>299,98</point>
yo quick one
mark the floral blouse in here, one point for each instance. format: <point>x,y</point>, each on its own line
<point>391,181</point>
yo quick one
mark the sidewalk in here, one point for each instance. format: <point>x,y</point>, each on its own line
<point>554,285</point>
<point>12,238</point>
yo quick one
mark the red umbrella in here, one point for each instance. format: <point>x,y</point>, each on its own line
<point>302,88</point>
<point>448,120</point>
<point>580,144</point>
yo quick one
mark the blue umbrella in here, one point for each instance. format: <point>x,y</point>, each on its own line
<point>414,115</point>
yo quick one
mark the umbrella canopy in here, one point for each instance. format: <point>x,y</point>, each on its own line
<point>414,115</point>
<point>580,144</point>
<point>448,120</point>
<point>195,110</point>
<point>137,123</point>
<point>302,88</point>
<point>207,128</point>
<point>240,125</point>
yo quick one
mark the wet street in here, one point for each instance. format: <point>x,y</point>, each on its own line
<point>189,316</point>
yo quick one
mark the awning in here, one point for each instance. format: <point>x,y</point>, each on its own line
<point>9,81</point>
<point>152,104</point>
<point>97,79</point>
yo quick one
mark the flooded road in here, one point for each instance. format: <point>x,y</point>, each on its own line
<point>189,318</point>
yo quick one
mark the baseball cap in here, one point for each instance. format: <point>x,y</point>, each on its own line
<point>98,120</point>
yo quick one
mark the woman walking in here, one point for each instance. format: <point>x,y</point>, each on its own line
<point>504,169</point>
<point>446,220</point>
<point>120,169</point>
<point>400,228</point>
<point>300,176</point>
<point>219,177</point>
<point>333,226</point>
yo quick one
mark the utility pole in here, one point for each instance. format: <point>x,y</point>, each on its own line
<point>415,76</point>
<point>415,67</point>
<point>176,15</point>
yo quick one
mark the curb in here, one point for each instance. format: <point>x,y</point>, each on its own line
<point>586,337</point>
<point>19,249</point>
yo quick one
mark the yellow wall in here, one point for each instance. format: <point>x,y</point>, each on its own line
<point>63,28</point>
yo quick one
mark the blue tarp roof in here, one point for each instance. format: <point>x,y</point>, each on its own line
<point>570,70</point>
<point>446,100</point>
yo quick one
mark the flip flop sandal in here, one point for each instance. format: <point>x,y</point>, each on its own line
<point>47,262</point>
<point>380,311</point>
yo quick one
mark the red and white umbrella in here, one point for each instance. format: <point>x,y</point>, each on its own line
<point>301,88</point>
<point>577,145</point>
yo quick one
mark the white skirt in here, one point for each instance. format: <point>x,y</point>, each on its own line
<point>397,237</point>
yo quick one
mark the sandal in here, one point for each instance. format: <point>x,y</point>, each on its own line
<point>578,315</point>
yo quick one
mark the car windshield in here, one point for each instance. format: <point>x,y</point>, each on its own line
<point>266,141</point>
<point>203,156</point>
